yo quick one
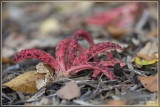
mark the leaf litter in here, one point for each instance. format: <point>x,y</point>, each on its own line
<point>136,33</point>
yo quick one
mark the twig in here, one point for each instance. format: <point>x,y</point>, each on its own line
<point>117,86</point>
<point>14,67</point>
<point>21,96</point>
<point>5,96</point>
<point>96,92</point>
<point>137,72</point>
<point>21,102</point>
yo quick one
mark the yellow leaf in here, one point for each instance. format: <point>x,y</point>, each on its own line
<point>25,82</point>
<point>145,62</point>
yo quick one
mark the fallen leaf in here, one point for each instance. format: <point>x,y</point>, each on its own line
<point>116,102</point>
<point>25,82</point>
<point>69,91</point>
<point>148,52</point>
<point>147,57</point>
<point>50,74</point>
<point>40,83</point>
<point>117,32</point>
<point>45,68</point>
<point>6,60</point>
<point>149,82</point>
<point>145,62</point>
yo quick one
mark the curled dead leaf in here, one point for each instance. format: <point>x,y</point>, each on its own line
<point>50,74</point>
<point>150,82</point>
<point>25,82</point>
<point>40,83</point>
<point>147,56</point>
<point>45,68</point>
<point>69,91</point>
<point>148,52</point>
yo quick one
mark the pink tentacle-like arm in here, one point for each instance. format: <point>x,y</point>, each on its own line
<point>73,45</point>
<point>107,64</point>
<point>38,54</point>
<point>90,65</point>
<point>92,51</point>
<point>61,49</point>
<point>96,73</point>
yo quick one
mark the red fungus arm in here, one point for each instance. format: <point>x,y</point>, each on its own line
<point>38,54</point>
<point>73,45</point>
<point>92,51</point>
<point>90,65</point>
<point>61,49</point>
<point>107,64</point>
<point>96,72</point>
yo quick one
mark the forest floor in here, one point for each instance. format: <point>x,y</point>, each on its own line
<point>42,25</point>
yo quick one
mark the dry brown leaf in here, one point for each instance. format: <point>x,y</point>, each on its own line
<point>147,57</point>
<point>116,102</point>
<point>117,32</point>
<point>150,82</point>
<point>148,52</point>
<point>45,68</point>
<point>6,60</point>
<point>49,77</point>
<point>40,83</point>
<point>69,91</point>
<point>31,82</point>
<point>25,82</point>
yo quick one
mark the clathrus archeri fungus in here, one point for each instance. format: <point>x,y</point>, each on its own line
<point>75,63</point>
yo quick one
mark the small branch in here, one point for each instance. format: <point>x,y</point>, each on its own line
<point>117,86</point>
<point>5,96</point>
<point>137,72</point>
<point>96,92</point>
